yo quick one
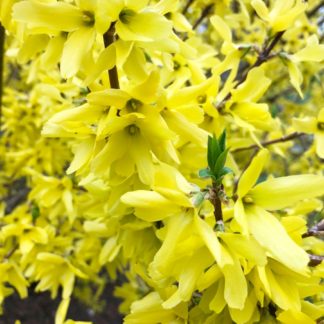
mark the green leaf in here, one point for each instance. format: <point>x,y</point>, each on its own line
<point>222,140</point>
<point>35,212</point>
<point>205,173</point>
<point>224,171</point>
<point>213,151</point>
<point>220,162</point>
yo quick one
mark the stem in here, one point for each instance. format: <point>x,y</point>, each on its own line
<point>315,260</point>
<point>187,6</point>
<point>203,15</point>
<point>216,202</point>
<point>312,12</point>
<point>263,57</point>
<point>267,143</point>
<point>2,41</point>
<point>109,38</point>
<point>313,233</point>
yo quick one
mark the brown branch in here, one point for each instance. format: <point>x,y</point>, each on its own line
<point>315,260</point>
<point>187,6</point>
<point>317,230</point>
<point>313,12</point>
<point>11,252</point>
<point>313,233</point>
<point>263,57</point>
<point>109,38</point>
<point>267,143</point>
<point>214,198</point>
<point>203,15</point>
<point>2,41</point>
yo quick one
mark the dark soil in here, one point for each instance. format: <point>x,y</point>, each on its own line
<point>39,308</point>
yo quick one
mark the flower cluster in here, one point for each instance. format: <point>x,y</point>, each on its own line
<point>177,142</point>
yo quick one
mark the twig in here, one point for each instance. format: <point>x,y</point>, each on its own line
<point>187,6</point>
<point>313,12</point>
<point>109,38</point>
<point>315,260</point>
<point>214,198</point>
<point>11,252</point>
<point>203,15</point>
<point>263,57</point>
<point>267,143</point>
<point>313,233</point>
<point>317,230</point>
<point>2,41</point>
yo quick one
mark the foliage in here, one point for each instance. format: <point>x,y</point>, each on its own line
<point>180,143</point>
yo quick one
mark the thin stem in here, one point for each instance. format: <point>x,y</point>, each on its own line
<point>203,15</point>
<point>263,57</point>
<point>11,252</point>
<point>267,143</point>
<point>187,6</point>
<point>313,12</point>
<point>2,41</point>
<point>313,233</point>
<point>216,202</point>
<point>315,260</point>
<point>109,38</point>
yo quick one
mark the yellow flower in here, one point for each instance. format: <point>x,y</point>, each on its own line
<point>273,194</point>
<point>314,126</point>
<point>282,14</point>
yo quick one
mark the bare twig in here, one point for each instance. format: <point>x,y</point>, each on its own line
<point>203,15</point>
<point>263,57</point>
<point>317,230</point>
<point>214,198</point>
<point>267,143</point>
<point>2,40</point>
<point>313,12</point>
<point>315,260</point>
<point>187,6</point>
<point>109,38</point>
<point>11,252</point>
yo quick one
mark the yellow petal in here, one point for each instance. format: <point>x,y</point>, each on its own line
<point>76,48</point>
<point>61,311</point>
<point>247,247</point>
<point>106,61</point>
<point>42,14</point>
<point>222,28</point>
<point>260,8</point>
<point>239,215</point>
<point>235,291</point>
<point>252,173</point>
<point>319,140</point>
<point>250,90</point>
<point>296,77</point>
<point>307,124</point>
<point>294,316</point>
<point>220,254</point>
<point>270,234</point>
<point>277,193</point>
<point>144,26</point>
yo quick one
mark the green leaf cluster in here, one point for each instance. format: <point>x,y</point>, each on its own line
<point>216,158</point>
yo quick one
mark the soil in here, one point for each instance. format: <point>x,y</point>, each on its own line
<point>39,308</point>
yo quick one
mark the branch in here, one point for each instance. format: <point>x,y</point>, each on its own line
<point>187,6</point>
<point>313,12</point>
<point>267,143</point>
<point>317,230</point>
<point>203,15</point>
<point>263,57</point>
<point>2,41</point>
<point>214,198</point>
<point>315,260</point>
<point>109,38</point>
